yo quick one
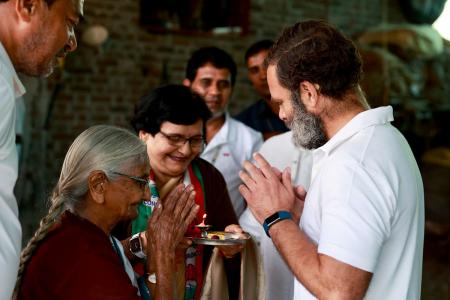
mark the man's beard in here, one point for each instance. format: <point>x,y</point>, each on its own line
<point>307,129</point>
<point>34,58</point>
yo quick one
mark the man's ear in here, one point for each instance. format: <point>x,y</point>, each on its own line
<point>25,9</point>
<point>97,184</point>
<point>309,94</point>
<point>143,136</point>
<point>187,82</point>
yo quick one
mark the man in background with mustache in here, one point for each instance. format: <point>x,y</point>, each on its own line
<point>33,34</point>
<point>211,73</point>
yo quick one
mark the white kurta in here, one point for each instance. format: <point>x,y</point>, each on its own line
<point>10,230</point>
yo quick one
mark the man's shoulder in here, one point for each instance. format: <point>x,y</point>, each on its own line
<point>244,138</point>
<point>5,72</point>
<point>283,139</point>
<point>239,130</point>
<point>250,116</point>
<point>281,152</point>
<point>251,110</point>
<point>8,75</point>
<point>6,83</point>
<point>5,78</point>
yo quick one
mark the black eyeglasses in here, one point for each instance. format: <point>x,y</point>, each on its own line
<point>141,182</point>
<point>196,142</point>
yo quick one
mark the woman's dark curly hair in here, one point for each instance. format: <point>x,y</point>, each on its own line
<point>315,51</point>
<point>171,103</point>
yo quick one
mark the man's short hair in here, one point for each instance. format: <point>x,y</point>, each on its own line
<point>213,55</point>
<point>317,52</point>
<point>257,47</point>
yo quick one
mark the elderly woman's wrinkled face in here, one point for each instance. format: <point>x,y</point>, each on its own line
<point>173,148</point>
<point>126,192</point>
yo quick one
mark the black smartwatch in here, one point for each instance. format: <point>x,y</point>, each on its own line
<point>275,218</point>
<point>136,246</point>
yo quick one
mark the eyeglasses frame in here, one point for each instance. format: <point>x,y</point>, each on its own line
<point>143,183</point>
<point>185,139</point>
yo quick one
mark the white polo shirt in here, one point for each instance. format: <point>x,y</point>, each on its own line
<point>10,230</point>
<point>365,206</point>
<point>281,153</point>
<point>234,143</point>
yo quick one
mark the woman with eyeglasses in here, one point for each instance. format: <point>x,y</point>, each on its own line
<point>171,121</point>
<point>73,254</point>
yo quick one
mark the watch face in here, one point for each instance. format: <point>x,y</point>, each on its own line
<point>272,218</point>
<point>135,245</point>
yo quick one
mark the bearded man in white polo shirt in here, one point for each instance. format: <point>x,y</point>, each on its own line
<point>362,224</point>
<point>33,34</point>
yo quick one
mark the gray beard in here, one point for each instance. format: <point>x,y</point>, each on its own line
<point>307,129</point>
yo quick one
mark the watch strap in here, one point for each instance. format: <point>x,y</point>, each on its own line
<point>275,218</point>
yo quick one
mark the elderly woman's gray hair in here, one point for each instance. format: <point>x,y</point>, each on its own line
<point>106,148</point>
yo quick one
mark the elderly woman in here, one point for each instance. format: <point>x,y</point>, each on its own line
<point>73,254</point>
<point>171,121</point>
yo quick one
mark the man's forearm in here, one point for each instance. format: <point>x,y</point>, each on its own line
<point>298,252</point>
<point>323,276</point>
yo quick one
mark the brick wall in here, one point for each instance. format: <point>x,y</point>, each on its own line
<point>100,86</point>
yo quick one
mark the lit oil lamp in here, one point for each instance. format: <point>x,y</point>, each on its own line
<point>203,227</point>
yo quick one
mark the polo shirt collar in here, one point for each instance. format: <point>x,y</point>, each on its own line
<point>19,89</point>
<point>368,118</point>
<point>221,136</point>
